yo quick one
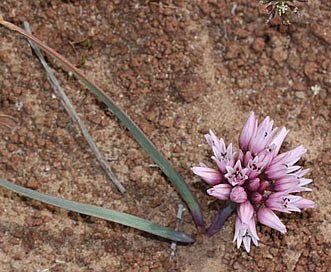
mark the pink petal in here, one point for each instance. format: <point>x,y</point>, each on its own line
<point>305,203</point>
<point>245,211</point>
<point>248,131</point>
<point>220,191</point>
<point>267,217</point>
<point>210,175</point>
<point>278,139</point>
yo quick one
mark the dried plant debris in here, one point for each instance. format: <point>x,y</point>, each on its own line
<point>284,9</point>
<point>7,121</point>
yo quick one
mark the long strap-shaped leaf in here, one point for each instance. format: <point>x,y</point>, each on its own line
<point>110,215</point>
<point>165,166</point>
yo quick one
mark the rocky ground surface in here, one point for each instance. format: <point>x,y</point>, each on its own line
<point>178,68</point>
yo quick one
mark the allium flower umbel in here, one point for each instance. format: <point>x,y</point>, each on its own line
<point>257,178</point>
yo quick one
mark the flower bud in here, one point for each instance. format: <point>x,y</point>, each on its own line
<point>220,191</point>
<point>264,185</point>
<point>238,194</point>
<point>254,184</point>
<point>256,197</point>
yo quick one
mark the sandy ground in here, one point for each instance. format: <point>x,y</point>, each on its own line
<point>178,68</point>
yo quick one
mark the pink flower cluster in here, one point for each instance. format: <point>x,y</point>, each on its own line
<point>256,177</point>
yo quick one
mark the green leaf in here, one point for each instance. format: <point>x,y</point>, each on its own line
<point>140,137</point>
<point>110,215</point>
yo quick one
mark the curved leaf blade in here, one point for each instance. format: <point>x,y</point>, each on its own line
<point>140,137</point>
<point>103,213</point>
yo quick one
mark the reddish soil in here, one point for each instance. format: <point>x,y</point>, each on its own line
<point>178,68</point>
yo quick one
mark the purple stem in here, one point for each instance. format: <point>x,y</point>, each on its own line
<point>221,217</point>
